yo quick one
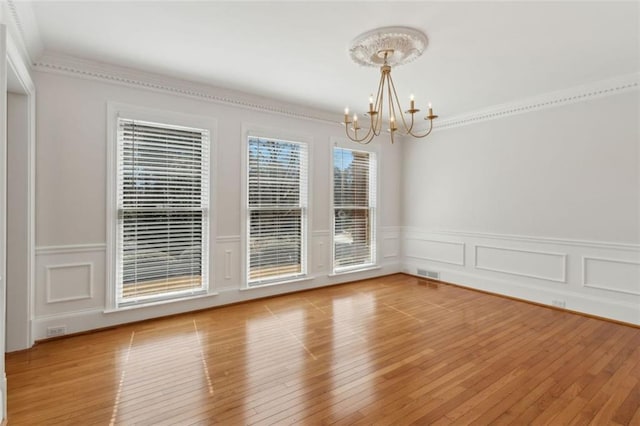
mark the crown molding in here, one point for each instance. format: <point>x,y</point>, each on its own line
<point>15,30</point>
<point>23,28</point>
<point>595,90</point>
<point>61,64</point>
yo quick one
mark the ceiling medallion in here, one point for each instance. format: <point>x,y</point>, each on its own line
<point>406,44</point>
<point>384,48</point>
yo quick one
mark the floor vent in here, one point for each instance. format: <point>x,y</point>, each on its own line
<point>428,274</point>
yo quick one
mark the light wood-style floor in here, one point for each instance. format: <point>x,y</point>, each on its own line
<point>393,350</point>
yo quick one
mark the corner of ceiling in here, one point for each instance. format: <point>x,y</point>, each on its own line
<point>597,89</point>
<point>23,29</point>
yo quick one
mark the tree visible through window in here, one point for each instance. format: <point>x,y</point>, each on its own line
<point>354,209</point>
<point>277,198</point>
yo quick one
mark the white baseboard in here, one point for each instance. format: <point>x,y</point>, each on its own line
<point>3,397</point>
<point>628,312</point>
<point>91,319</point>
<point>600,278</point>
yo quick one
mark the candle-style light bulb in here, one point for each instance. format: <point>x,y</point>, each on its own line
<point>346,115</point>
<point>371,103</point>
<point>413,102</point>
<point>346,111</point>
<point>430,110</point>
<point>355,117</point>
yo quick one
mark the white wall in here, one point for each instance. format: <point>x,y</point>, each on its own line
<point>543,205</point>
<point>3,208</point>
<point>71,184</point>
<point>18,303</point>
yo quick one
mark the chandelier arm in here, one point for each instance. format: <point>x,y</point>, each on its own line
<point>393,127</point>
<point>379,92</point>
<point>395,94</point>
<point>378,109</point>
<point>426,134</point>
<point>355,137</point>
<point>410,129</point>
<point>392,112</point>
<point>364,140</point>
<point>378,105</point>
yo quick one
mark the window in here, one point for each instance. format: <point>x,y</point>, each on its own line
<point>276,210</point>
<point>354,200</point>
<point>161,236</point>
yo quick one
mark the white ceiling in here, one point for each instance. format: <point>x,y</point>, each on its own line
<point>479,54</point>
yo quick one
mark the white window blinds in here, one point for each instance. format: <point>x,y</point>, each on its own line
<point>277,201</point>
<point>354,201</point>
<point>163,207</point>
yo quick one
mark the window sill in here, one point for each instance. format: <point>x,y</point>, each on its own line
<point>353,271</point>
<point>277,283</point>
<point>159,302</point>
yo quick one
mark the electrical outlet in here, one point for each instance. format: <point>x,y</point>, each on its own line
<point>558,303</point>
<point>56,331</point>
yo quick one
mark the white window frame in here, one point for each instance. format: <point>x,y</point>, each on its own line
<point>372,148</point>
<point>249,130</point>
<point>114,111</point>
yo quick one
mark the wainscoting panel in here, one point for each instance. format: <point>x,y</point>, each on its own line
<point>390,243</point>
<point>71,282</point>
<point>69,278</point>
<point>451,252</point>
<point>390,247</point>
<point>527,263</point>
<point>65,283</point>
<point>226,262</point>
<point>598,278</point>
<point>611,274</point>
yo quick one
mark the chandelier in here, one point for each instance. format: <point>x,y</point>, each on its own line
<point>385,47</point>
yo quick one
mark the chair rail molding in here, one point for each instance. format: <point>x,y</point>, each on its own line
<point>70,248</point>
<point>526,238</point>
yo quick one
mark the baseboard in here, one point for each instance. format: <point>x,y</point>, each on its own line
<point>95,319</point>
<point>3,398</point>
<point>625,312</point>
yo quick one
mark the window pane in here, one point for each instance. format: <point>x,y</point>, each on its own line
<point>350,178</point>
<point>352,237</point>
<point>274,173</point>
<point>276,200</point>
<point>162,211</point>
<point>275,243</point>
<point>354,202</point>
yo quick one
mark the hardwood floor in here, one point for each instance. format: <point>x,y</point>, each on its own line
<point>393,350</point>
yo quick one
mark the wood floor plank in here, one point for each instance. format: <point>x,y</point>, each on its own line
<point>393,350</point>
